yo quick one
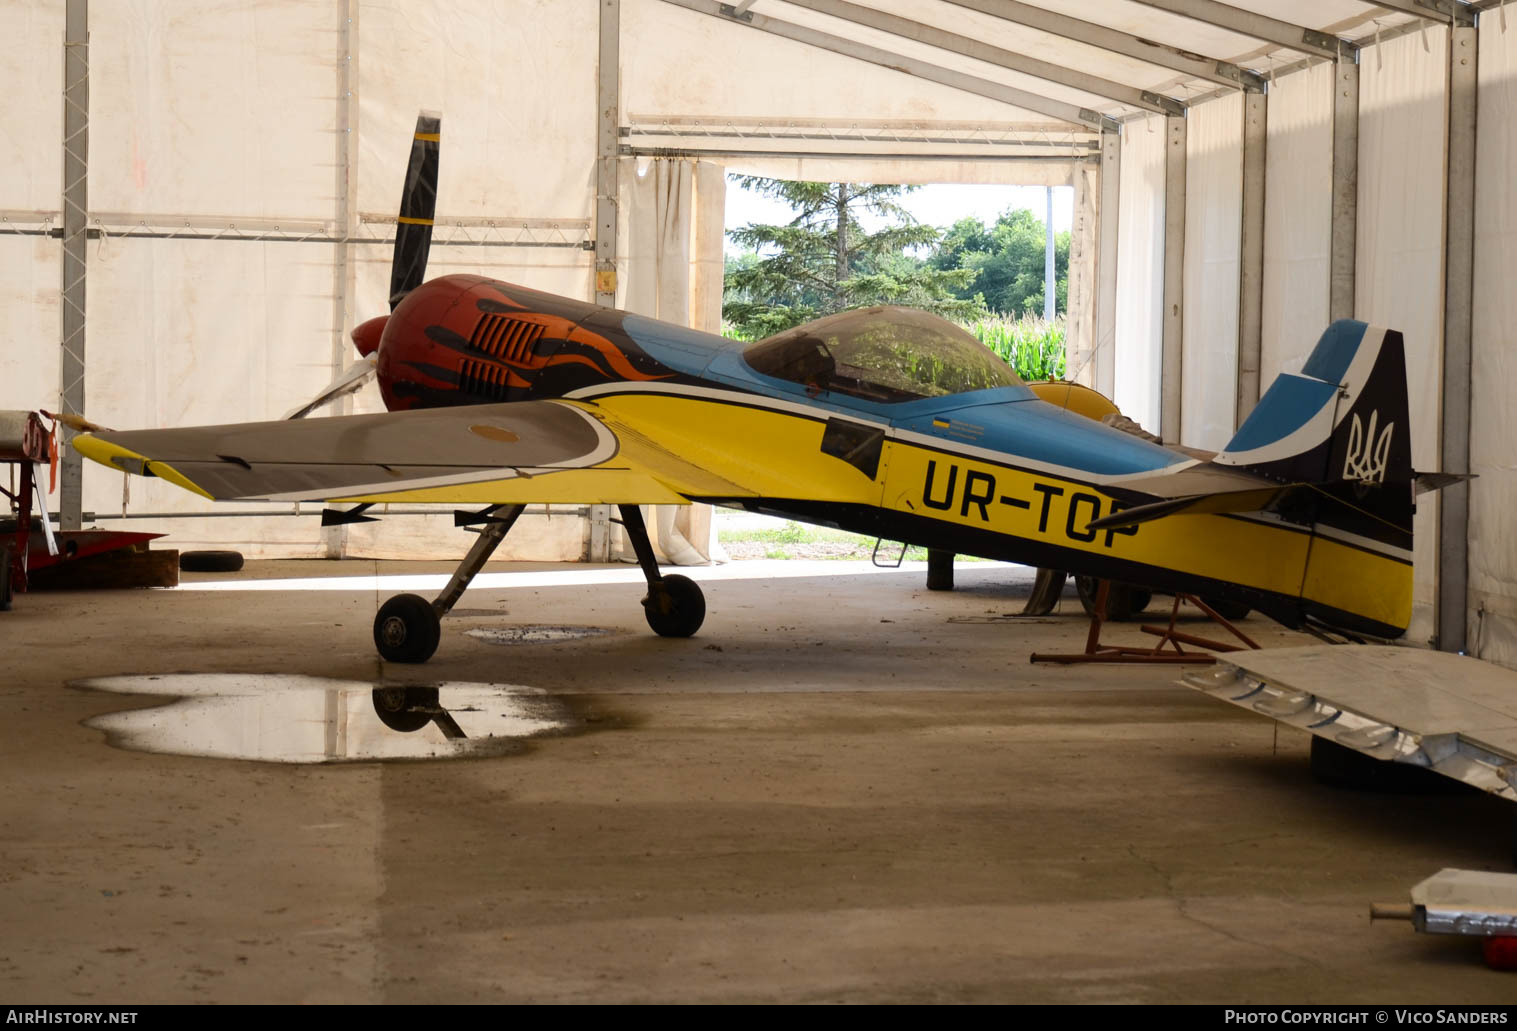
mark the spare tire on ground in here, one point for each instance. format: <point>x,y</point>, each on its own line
<point>210,561</point>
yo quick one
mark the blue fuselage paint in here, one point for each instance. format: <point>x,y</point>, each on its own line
<point>1009,420</point>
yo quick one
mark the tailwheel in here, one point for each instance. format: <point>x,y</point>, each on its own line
<point>675,606</point>
<point>407,629</point>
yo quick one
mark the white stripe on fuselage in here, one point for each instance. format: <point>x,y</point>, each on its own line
<point>1324,422</point>
<point>755,400</point>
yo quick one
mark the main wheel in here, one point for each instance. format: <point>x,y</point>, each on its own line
<point>675,606</point>
<point>406,709</point>
<point>1123,601</point>
<point>407,629</point>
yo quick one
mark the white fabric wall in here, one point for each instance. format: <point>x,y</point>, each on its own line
<point>1213,235</point>
<point>207,113</point>
<point>31,124</point>
<point>680,62</point>
<point>1399,277</point>
<point>1298,202</point>
<point>515,84</point>
<point>1493,444</point>
<point>31,119</point>
<point>1140,271</point>
<point>29,321</point>
<point>177,91</point>
<point>201,332</point>
<point>220,114</point>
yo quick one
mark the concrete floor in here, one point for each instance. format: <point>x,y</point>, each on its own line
<point>832,793</point>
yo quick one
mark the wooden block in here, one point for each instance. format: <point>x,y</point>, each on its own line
<point>124,567</point>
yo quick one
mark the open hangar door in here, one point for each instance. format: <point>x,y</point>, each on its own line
<point>1252,174</point>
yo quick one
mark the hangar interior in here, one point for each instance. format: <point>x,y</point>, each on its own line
<point>197,206</point>
<point>229,178</point>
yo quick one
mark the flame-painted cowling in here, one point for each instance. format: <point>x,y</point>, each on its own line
<point>463,339</point>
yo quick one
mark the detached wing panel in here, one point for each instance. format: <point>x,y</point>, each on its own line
<point>531,451</point>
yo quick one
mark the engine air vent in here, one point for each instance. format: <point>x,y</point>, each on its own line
<point>502,336</point>
<point>483,379</point>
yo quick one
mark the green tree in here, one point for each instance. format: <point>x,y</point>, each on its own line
<point>824,261</point>
<point>1008,261</point>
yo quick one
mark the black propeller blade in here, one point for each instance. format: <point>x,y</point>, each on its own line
<point>418,206</point>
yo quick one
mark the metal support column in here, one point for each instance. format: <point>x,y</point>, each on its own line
<point>608,113</point>
<point>76,163</point>
<point>1458,304</point>
<point>1251,256</point>
<point>1174,279</point>
<point>608,101</point>
<point>1104,375</point>
<point>335,538</point>
<point>1340,299</point>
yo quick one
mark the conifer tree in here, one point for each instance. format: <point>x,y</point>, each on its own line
<point>824,261</point>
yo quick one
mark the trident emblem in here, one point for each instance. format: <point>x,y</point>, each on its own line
<point>1367,454</point>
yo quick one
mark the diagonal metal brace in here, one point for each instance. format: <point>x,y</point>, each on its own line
<point>637,530</point>
<point>490,537</point>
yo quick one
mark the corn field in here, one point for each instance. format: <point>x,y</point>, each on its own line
<point>1032,346</point>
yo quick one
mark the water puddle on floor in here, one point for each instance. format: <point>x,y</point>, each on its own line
<point>535,634</point>
<point>300,719</point>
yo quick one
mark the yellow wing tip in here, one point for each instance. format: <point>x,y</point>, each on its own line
<point>120,459</point>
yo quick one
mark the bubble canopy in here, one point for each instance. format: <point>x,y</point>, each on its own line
<point>885,354</point>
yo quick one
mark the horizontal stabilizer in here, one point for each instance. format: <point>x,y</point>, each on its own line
<point>1196,504</point>
<point>1426,483</point>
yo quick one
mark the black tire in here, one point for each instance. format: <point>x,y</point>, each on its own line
<point>1229,610</point>
<point>1342,767</point>
<point>210,561</point>
<point>1046,591</point>
<point>405,709</point>
<point>407,629</point>
<point>5,579</point>
<point>675,606</point>
<point>1123,602</point>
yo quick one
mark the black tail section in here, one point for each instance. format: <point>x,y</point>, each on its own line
<point>1342,425</point>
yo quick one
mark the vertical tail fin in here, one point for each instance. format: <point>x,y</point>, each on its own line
<point>1342,419</point>
<point>1342,426</point>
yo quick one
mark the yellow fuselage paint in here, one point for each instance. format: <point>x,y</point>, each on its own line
<point>673,447</point>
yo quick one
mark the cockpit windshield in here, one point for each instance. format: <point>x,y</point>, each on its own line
<point>887,355</point>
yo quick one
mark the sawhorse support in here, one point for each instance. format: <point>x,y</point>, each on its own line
<point>1095,651</point>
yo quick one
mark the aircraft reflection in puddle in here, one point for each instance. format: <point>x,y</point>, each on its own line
<point>302,719</point>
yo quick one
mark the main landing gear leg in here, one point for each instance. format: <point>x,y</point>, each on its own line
<point>674,605</point>
<point>408,626</point>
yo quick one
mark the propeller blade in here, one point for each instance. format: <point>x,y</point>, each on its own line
<point>359,373</point>
<point>418,206</point>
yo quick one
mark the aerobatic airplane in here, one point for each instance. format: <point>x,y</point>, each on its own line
<point>884,421</point>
